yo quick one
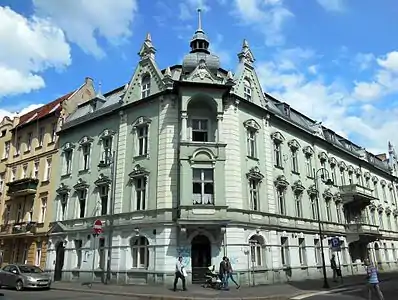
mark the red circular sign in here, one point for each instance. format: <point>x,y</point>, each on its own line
<point>97,226</point>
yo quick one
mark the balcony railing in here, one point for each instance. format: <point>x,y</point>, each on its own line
<point>361,228</point>
<point>22,187</point>
<point>356,194</point>
<point>22,228</point>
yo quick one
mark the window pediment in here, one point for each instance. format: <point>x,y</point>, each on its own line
<point>367,175</point>
<point>375,179</point>
<point>63,189</point>
<point>81,185</point>
<point>312,191</point>
<point>308,151</point>
<point>372,206</point>
<point>383,183</point>
<point>293,144</point>
<point>252,124</point>
<point>323,156</point>
<point>281,182</point>
<point>351,169</point>
<point>327,194</point>
<point>107,133</point>
<point>141,121</point>
<point>138,171</point>
<point>298,187</point>
<point>342,165</point>
<point>337,198</point>
<point>68,146</point>
<point>102,180</point>
<point>277,137</point>
<point>358,172</point>
<point>255,173</point>
<point>202,155</point>
<point>86,140</point>
<point>380,208</point>
<point>333,161</point>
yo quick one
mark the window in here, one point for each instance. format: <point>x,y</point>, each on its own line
<point>338,213</point>
<point>376,190</point>
<point>68,161</point>
<point>6,153</point>
<point>278,154</point>
<point>328,211</point>
<point>107,150</point>
<point>381,225</point>
<point>1,182</point>
<point>342,176</point>
<point>47,174</point>
<point>53,132</point>
<point>203,186</point>
<point>367,182</point>
<point>7,212</point>
<point>19,213</point>
<point>142,136</point>
<point>78,249</point>
<point>41,136</point>
<point>308,165</point>
<point>302,252</point>
<point>373,217</point>
<point>86,149</point>
<point>62,207</point>
<point>104,194</point>
<point>24,171</point>
<point>13,174</point>
<point>200,131</point>
<point>254,193</point>
<point>284,251</point>
<point>314,208</point>
<point>334,175</point>
<point>299,208</point>
<point>29,142</point>
<point>318,252</point>
<point>140,193</point>
<point>389,224</point>
<point>38,253</point>
<point>36,169</point>
<point>82,195</point>
<point>247,89</point>
<point>18,146</point>
<point>43,209</point>
<point>281,201</point>
<point>386,252</point>
<point>350,178</point>
<point>257,251</point>
<point>101,254</point>
<point>145,86</point>
<point>140,252</point>
<point>251,142</point>
<point>295,165</point>
<point>383,188</point>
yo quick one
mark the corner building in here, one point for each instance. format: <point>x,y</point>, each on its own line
<point>197,161</point>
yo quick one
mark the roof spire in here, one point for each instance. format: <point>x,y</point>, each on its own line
<point>147,49</point>
<point>99,93</point>
<point>199,41</point>
<point>199,20</point>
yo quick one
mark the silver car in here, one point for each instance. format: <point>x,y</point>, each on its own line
<point>21,276</point>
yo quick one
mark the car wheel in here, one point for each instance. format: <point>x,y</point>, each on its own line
<point>19,285</point>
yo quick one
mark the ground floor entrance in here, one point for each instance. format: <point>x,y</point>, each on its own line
<point>200,257</point>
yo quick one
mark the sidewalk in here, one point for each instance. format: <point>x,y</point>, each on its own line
<point>196,292</point>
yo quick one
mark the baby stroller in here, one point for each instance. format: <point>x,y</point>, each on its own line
<point>212,279</point>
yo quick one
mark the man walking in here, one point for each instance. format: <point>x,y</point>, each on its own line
<point>180,273</point>
<point>229,273</point>
<point>373,280</point>
<point>223,273</point>
<point>333,265</point>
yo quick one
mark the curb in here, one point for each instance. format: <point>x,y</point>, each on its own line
<point>160,297</point>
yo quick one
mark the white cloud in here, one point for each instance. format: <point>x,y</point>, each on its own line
<point>85,21</point>
<point>364,60</point>
<point>268,16</point>
<point>9,113</point>
<point>217,49</point>
<point>389,61</point>
<point>332,5</point>
<point>33,46</point>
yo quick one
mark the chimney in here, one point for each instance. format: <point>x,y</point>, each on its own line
<point>88,80</point>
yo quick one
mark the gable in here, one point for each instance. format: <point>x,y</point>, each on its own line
<point>202,74</point>
<point>248,73</point>
<point>57,228</point>
<point>145,67</point>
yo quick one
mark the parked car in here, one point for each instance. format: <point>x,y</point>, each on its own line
<point>21,276</point>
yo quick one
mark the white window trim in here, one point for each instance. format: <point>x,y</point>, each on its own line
<point>247,89</point>
<point>210,137</point>
<point>302,248</point>
<point>146,88</point>
<point>38,253</point>
<point>141,122</point>
<point>203,167</point>
<point>257,248</point>
<point>48,170</point>
<point>138,247</point>
<point>40,136</point>
<point>82,146</point>
<point>134,192</point>
<point>100,194</point>
<point>65,170</point>
<point>43,209</point>
<point>60,215</point>
<point>280,154</point>
<point>36,168</point>
<point>78,201</point>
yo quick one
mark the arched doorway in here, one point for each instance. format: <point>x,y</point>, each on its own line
<point>59,260</point>
<point>200,257</point>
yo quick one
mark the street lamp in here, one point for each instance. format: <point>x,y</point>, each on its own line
<point>326,181</point>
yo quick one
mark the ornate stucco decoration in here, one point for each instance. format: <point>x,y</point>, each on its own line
<point>139,171</point>
<point>337,198</point>
<point>390,186</point>
<point>312,191</point>
<point>80,185</point>
<point>317,129</point>
<point>141,121</point>
<point>167,79</point>
<point>372,206</point>
<point>102,180</point>
<point>395,212</point>
<point>388,210</point>
<point>323,156</point>
<point>86,140</point>
<point>342,165</point>
<point>293,144</point>
<point>351,169</point>
<point>281,182</point>
<point>375,179</point>
<point>252,124</point>
<point>327,195</point>
<point>107,133</point>
<point>308,151</point>
<point>63,189</point>
<point>254,173</point>
<point>367,175</point>
<point>383,183</point>
<point>277,137</point>
<point>358,172</point>
<point>380,208</point>
<point>333,162</point>
<point>68,146</point>
<point>298,187</point>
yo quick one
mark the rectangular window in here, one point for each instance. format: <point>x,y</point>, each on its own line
<point>29,142</point>
<point>62,207</point>
<point>338,213</point>
<point>251,143</point>
<point>36,169</point>
<point>13,176</point>
<point>314,208</point>
<point>40,137</point>
<point>68,162</point>
<point>256,253</point>
<point>350,178</point>
<point>387,257</point>
<point>328,211</point>
<point>254,193</point>
<point>79,256</point>
<point>43,210</point>
<point>302,252</point>
<point>318,252</point>
<point>82,197</point>
<point>47,174</point>
<point>367,183</point>
<point>334,175</point>
<point>142,136</point>
<point>39,246</point>
<point>24,171</point>
<point>86,149</point>
<point>104,194</point>
<point>342,176</point>
<point>107,150</point>
<point>200,131</point>
<point>203,187</point>
<point>6,153</point>
<point>376,190</point>
<point>19,213</point>
<point>299,209</point>
<point>284,252</point>
<point>278,155</point>
<point>281,201</point>
<point>373,217</point>
<point>7,213</point>
<point>381,225</point>
<point>18,146</point>
<point>53,132</point>
<point>308,165</point>
<point>140,193</point>
<point>295,164</point>
<point>394,252</point>
<point>384,194</point>
<point>389,224</point>
<point>101,254</point>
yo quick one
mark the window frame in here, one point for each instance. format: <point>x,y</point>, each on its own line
<point>205,198</point>
<point>139,246</point>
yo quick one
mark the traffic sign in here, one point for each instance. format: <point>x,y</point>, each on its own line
<point>335,244</point>
<point>97,227</point>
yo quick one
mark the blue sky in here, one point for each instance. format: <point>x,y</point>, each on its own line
<point>334,60</point>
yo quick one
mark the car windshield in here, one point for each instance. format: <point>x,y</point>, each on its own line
<point>30,269</point>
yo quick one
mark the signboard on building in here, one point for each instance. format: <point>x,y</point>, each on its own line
<point>335,244</point>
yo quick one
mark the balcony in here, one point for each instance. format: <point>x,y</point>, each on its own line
<point>24,228</point>
<point>356,195</point>
<point>22,187</point>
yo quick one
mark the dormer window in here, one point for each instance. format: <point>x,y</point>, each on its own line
<point>145,86</point>
<point>247,89</point>
<point>93,106</point>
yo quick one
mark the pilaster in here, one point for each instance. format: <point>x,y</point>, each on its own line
<point>269,166</point>
<point>120,167</point>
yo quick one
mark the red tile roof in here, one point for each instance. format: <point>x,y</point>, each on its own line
<point>42,111</point>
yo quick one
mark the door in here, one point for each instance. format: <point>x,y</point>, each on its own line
<point>200,258</point>
<point>59,261</point>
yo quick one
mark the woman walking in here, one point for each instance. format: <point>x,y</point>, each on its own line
<point>229,273</point>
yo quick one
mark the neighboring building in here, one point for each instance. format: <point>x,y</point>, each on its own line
<point>31,168</point>
<point>208,165</point>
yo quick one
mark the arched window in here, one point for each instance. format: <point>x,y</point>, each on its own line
<point>257,251</point>
<point>145,86</point>
<point>140,252</point>
<point>247,89</point>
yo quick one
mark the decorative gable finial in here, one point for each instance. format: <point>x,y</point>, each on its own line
<point>230,79</point>
<point>99,93</point>
<point>167,79</point>
<point>147,49</point>
<point>246,55</point>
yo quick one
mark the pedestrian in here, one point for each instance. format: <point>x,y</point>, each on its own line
<point>333,265</point>
<point>223,273</point>
<point>180,273</point>
<point>229,273</point>
<point>373,280</point>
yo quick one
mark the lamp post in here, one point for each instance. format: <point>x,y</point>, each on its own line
<point>327,181</point>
